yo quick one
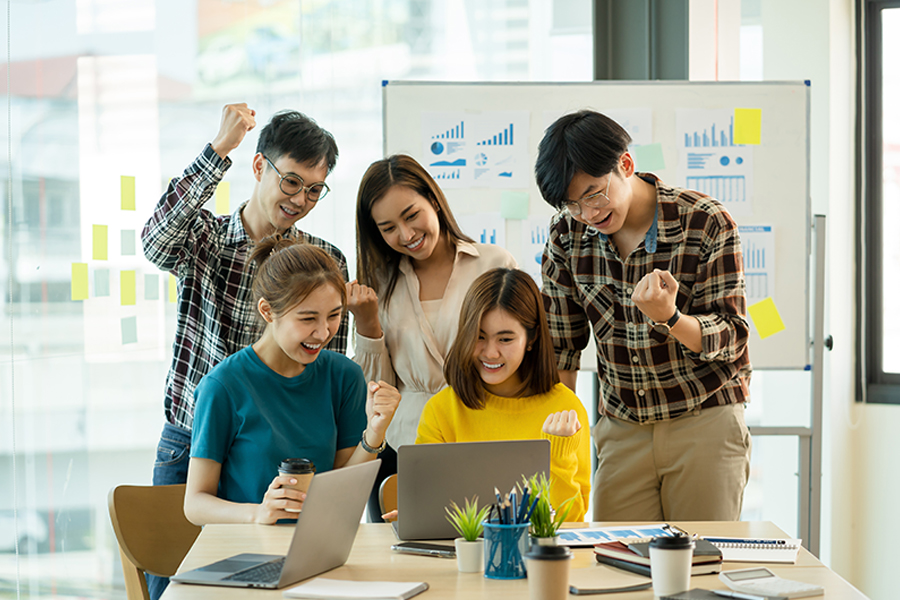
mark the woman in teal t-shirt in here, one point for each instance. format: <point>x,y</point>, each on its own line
<point>283,397</point>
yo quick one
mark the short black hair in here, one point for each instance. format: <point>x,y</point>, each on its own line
<point>584,141</point>
<point>293,133</point>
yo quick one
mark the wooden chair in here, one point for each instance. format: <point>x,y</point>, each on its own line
<point>387,495</point>
<point>153,534</point>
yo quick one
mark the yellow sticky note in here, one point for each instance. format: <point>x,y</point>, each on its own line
<point>101,243</point>
<point>766,318</point>
<point>79,281</point>
<point>223,198</point>
<point>173,289</point>
<point>128,291</point>
<point>747,125</point>
<point>127,192</point>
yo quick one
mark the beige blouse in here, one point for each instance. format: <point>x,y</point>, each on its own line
<point>410,353</point>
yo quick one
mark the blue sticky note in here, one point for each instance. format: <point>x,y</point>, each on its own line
<point>649,157</point>
<point>151,287</point>
<point>514,205</point>
<point>129,330</point>
<point>101,283</point>
<point>128,242</point>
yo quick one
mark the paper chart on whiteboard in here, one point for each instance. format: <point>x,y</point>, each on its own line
<point>758,248</point>
<point>535,232</point>
<point>710,162</point>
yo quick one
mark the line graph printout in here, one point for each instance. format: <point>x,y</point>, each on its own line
<point>758,248</point>
<point>710,162</point>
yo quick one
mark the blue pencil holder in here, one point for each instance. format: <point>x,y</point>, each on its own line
<point>504,548</point>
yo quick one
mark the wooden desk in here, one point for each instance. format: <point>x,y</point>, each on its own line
<point>373,560</point>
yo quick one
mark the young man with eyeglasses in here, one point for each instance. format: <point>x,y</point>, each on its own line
<point>209,255</point>
<point>657,273</point>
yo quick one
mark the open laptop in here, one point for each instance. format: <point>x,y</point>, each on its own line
<point>429,476</point>
<point>322,539</point>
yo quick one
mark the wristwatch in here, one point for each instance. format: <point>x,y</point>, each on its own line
<point>369,448</point>
<point>668,325</point>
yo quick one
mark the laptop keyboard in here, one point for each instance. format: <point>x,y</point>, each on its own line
<point>268,572</point>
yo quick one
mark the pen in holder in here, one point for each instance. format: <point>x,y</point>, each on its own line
<point>504,547</point>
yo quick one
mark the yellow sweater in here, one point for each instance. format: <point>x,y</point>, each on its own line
<point>446,419</point>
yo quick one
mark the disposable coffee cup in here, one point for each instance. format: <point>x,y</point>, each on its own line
<point>548,572</point>
<point>670,565</point>
<point>301,469</point>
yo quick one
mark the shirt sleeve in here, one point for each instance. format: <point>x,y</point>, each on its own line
<point>178,222</point>
<point>719,300</point>
<point>352,418</point>
<point>569,325</point>
<point>339,342</point>
<point>374,357</point>
<point>570,468</point>
<point>214,427</point>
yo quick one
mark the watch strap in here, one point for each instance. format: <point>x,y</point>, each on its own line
<point>369,448</point>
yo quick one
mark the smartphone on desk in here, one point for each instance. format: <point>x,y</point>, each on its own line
<point>439,550</point>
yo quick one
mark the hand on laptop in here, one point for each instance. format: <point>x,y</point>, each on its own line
<point>564,423</point>
<point>279,501</point>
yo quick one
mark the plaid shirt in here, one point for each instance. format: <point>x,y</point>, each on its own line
<point>209,254</point>
<point>645,374</point>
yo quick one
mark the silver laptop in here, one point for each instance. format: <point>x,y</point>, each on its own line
<point>429,476</point>
<point>322,539</point>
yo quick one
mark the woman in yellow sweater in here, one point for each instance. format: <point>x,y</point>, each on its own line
<point>503,384</point>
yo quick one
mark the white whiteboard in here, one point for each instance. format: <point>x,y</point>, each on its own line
<point>773,189</point>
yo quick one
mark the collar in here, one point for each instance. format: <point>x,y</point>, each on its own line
<point>666,226</point>
<point>462,247</point>
<point>236,235</point>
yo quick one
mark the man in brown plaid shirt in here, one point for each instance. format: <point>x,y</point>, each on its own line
<point>657,273</point>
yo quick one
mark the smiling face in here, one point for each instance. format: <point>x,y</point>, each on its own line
<point>500,349</point>
<point>270,210</point>
<point>295,339</point>
<point>408,222</point>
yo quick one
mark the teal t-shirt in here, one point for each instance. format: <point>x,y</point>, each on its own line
<point>248,418</point>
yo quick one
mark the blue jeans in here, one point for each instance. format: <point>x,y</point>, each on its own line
<point>172,456</point>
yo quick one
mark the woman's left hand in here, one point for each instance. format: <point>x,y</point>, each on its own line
<point>381,404</point>
<point>564,423</point>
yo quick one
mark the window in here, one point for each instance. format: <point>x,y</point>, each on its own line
<point>881,201</point>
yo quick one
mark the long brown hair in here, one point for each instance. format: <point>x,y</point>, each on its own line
<point>288,270</point>
<point>378,265</point>
<point>516,293</point>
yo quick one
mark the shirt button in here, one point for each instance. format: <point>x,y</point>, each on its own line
<point>629,291</point>
<point>634,359</point>
<point>641,393</point>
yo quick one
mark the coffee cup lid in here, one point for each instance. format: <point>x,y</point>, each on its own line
<point>297,465</point>
<point>538,552</point>
<point>677,542</point>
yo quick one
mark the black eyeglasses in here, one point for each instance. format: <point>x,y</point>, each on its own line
<point>292,185</point>
<point>596,200</point>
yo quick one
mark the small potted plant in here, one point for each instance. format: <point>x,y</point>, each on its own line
<point>544,523</point>
<point>469,523</point>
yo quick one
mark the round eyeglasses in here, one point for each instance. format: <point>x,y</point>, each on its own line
<point>596,200</point>
<point>292,185</point>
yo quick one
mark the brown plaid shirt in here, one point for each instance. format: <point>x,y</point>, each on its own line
<point>645,374</point>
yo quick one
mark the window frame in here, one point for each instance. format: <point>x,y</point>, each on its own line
<point>878,386</point>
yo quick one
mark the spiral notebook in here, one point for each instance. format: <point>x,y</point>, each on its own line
<point>765,550</point>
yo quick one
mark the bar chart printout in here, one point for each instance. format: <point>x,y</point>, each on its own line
<point>758,248</point>
<point>445,147</point>
<point>500,155</point>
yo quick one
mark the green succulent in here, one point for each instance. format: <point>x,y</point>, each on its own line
<point>468,521</point>
<point>544,523</point>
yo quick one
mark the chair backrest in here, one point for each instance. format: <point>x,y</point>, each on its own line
<point>387,494</point>
<point>152,531</point>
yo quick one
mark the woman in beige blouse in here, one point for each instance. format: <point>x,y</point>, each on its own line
<point>414,266</point>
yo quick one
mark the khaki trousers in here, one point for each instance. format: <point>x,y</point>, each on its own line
<point>693,468</point>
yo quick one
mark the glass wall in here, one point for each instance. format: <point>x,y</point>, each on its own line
<point>108,100</point>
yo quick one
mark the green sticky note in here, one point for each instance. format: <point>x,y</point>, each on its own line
<point>747,125</point>
<point>129,330</point>
<point>127,192</point>
<point>151,287</point>
<point>514,205</point>
<point>128,242</point>
<point>223,198</point>
<point>101,283</point>
<point>766,318</point>
<point>128,291</point>
<point>649,157</point>
<point>173,289</point>
<point>79,281</point>
<point>101,243</point>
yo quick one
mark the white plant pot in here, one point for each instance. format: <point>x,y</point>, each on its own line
<point>469,555</point>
